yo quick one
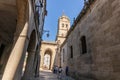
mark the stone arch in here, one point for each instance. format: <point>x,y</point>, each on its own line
<point>20,44</point>
<point>48,58</point>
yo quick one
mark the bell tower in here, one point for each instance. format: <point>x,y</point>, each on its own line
<point>63,28</point>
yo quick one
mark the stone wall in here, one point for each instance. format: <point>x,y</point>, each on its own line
<point>100,26</point>
<point>64,58</point>
<point>19,33</point>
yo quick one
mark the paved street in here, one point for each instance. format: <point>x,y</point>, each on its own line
<point>48,75</point>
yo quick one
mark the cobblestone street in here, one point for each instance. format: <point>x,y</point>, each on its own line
<point>48,75</point>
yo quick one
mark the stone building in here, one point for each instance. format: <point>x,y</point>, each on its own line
<point>21,24</point>
<point>50,51</point>
<point>91,49</point>
<point>63,28</point>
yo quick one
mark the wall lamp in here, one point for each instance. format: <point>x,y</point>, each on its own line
<point>46,31</point>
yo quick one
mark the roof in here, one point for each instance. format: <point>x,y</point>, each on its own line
<point>64,16</point>
<point>49,42</point>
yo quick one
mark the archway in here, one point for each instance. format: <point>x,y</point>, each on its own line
<point>47,59</point>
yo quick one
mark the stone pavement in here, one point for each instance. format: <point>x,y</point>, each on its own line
<point>67,78</point>
<point>48,75</point>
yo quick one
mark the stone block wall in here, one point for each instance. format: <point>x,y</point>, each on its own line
<point>101,27</point>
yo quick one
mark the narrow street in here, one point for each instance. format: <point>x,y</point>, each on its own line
<point>48,75</point>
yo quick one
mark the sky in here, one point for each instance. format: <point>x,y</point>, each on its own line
<point>55,9</point>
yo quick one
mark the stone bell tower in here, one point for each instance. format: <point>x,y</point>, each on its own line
<point>63,28</point>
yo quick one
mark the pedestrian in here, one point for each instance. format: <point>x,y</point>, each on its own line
<point>60,72</point>
<point>60,69</point>
<point>66,70</point>
<point>56,69</point>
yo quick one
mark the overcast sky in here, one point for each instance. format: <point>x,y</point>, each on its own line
<point>55,8</point>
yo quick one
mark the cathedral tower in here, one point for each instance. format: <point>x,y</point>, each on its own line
<point>63,28</point>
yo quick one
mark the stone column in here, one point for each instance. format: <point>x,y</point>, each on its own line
<point>15,60</point>
<point>37,66</point>
<point>29,71</point>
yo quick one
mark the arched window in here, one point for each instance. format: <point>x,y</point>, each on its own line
<point>84,45</point>
<point>66,25</point>
<point>62,25</point>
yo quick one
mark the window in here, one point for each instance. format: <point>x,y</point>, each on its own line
<point>62,25</point>
<point>66,25</point>
<point>62,35</point>
<point>71,52</point>
<point>83,43</point>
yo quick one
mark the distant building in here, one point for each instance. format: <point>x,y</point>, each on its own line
<point>63,28</point>
<point>91,49</point>
<point>21,26</point>
<point>50,51</point>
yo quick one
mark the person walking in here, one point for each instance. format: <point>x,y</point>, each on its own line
<point>66,71</point>
<point>60,73</point>
<point>56,69</point>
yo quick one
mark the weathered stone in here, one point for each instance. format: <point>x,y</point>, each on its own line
<point>19,33</point>
<point>101,28</point>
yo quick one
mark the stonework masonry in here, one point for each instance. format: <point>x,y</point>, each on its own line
<point>62,31</point>
<point>101,28</point>
<point>20,24</point>
<point>50,51</point>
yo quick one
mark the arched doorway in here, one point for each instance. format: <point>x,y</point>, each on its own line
<point>47,59</point>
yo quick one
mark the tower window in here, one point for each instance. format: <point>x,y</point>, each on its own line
<point>62,35</point>
<point>71,52</point>
<point>84,46</point>
<point>66,25</point>
<point>62,25</point>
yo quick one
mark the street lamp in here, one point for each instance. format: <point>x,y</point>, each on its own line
<point>44,31</point>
